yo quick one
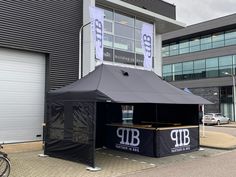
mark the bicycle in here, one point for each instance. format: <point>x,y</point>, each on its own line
<point>5,165</point>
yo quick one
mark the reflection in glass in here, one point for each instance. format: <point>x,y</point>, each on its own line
<point>122,38</point>
<point>194,45</point>
<point>199,64</point>
<point>206,42</point>
<point>183,47</point>
<point>165,51</point>
<point>177,67</point>
<point>139,23</point>
<point>108,40</point>
<point>138,34</point>
<point>138,47</point>
<point>167,69</point>
<point>218,40</point>
<point>124,19</point>
<point>212,67</point>
<point>108,14</point>
<point>108,26</point>
<point>174,49</point>
<point>124,44</point>
<point>124,31</point>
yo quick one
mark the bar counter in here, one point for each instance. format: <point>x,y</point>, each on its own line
<point>152,141</point>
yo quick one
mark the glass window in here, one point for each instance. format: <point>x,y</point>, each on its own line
<point>212,62</point>
<point>165,51</point>
<point>108,40</point>
<point>194,45</point>
<point>225,60</point>
<point>225,65</point>
<point>108,26</point>
<point>124,31</point>
<point>230,37</point>
<point>139,23</point>
<point>177,67</point>
<point>138,34</point>
<point>218,40</point>
<point>199,64</point>
<point>108,14</point>
<point>183,47</point>
<point>188,70</point>
<point>212,67</point>
<point>167,68</point>
<point>174,49</point>
<point>206,42</point>
<point>177,71</point>
<point>138,47</point>
<point>124,19</point>
<point>230,34</point>
<point>122,38</point>
<point>124,44</point>
<point>187,66</point>
<point>199,69</point>
<point>168,77</point>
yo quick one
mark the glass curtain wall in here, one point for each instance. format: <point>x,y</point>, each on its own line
<point>200,69</point>
<point>122,38</point>
<point>225,38</point>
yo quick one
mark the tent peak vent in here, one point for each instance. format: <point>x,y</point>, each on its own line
<point>125,73</point>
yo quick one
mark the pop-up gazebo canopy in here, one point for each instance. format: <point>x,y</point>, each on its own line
<point>77,113</point>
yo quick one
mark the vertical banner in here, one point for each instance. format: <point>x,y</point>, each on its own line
<point>97,27</point>
<point>147,44</point>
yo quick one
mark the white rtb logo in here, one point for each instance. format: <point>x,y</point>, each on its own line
<point>128,136</point>
<point>181,137</point>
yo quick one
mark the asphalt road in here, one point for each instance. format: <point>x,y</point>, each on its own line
<point>220,165</point>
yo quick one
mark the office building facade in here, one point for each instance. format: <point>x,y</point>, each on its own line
<point>202,58</point>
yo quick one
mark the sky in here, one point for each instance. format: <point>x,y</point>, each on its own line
<point>196,11</point>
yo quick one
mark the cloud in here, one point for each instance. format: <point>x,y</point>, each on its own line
<point>191,12</point>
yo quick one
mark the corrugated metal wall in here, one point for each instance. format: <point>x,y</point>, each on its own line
<point>48,27</point>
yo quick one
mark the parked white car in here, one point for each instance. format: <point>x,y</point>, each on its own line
<point>215,118</point>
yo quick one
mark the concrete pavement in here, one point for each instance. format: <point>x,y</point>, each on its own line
<point>217,139</point>
<point>113,163</point>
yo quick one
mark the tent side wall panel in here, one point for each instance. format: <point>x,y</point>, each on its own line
<point>71,130</point>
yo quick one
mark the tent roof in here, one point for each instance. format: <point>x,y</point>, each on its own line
<point>125,85</point>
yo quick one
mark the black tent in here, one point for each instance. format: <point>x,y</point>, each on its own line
<point>74,109</point>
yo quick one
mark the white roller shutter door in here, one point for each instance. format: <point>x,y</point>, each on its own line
<point>22,92</point>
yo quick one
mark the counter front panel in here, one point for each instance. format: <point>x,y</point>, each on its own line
<point>171,141</point>
<point>132,139</point>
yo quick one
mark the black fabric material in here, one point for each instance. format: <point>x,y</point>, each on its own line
<point>70,125</point>
<point>177,114</point>
<point>144,113</point>
<point>145,138</point>
<point>71,131</point>
<point>107,83</point>
<point>167,146</point>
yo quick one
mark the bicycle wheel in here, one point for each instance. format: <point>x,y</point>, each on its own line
<point>4,167</point>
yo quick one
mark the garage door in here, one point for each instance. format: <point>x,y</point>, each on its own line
<point>22,91</point>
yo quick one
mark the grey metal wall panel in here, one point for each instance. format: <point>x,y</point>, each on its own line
<point>48,27</point>
<point>222,51</point>
<point>157,6</point>
<point>212,94</point>
<point>227,22</point>
<point>210,82</point>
